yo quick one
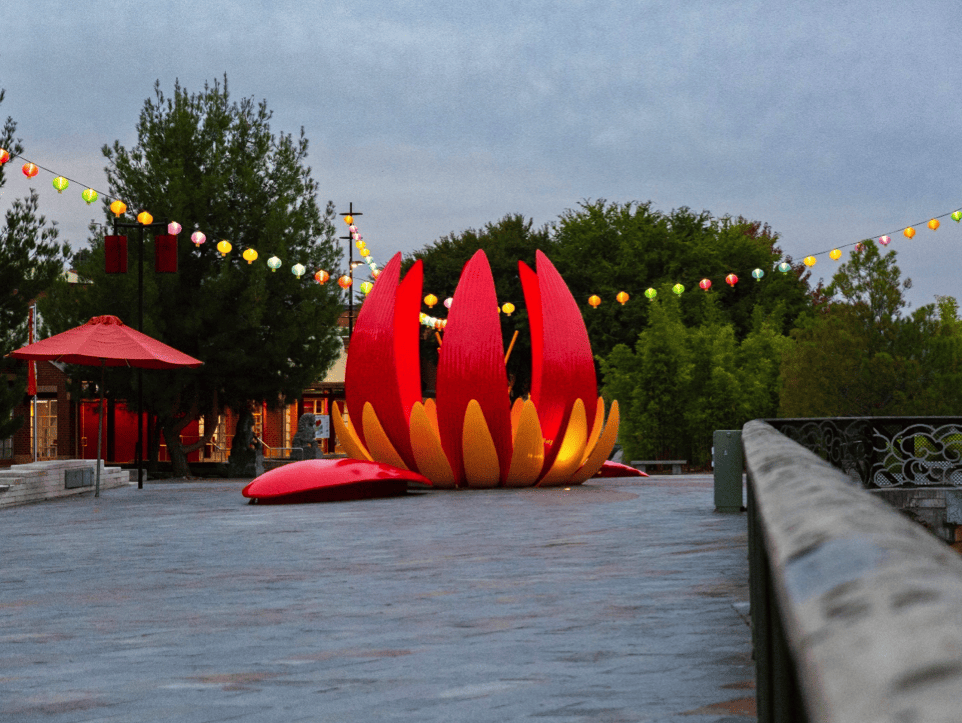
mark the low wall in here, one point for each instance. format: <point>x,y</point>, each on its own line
<point>856,610</point>
<point>22,484</point>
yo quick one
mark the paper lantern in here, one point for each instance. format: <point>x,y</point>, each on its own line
<point>508,308</point>
<point>956,215</point>
<point>273,263</point>
<point>197,238</point>
<point>144,218</point>
<point>650,294</point>
<point>345,281</point>
<point>349,219</point>
<point>934,224</point>
<point>298,270</point>
<point>250,256</point>
<point>884,240</point>
<point>366,287</point>
<point>447,302</point>
<point>174,228</point>
<point>61,183</point>
<point>375,273</point>
<point>30,170</point>
<point>731,280</point>
<point>224,247</point>
<point>809,261</point>
<point>704,284</point>
<point>322,276</point>
<point>119,208</point>
<point>89,195</point>
<point>784,267</point>
<point>835,254</point>
<point>622,297</point>
<point>909,232</point>
<point>594,301</point>
<point>4,156</point>
<point>430,300</point>
<point>678,289</point>
<point>757,274</point>
<point>365,252</point>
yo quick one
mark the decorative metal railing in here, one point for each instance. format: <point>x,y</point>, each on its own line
<point>884,451</point>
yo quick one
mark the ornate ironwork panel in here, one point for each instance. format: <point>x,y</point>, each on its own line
<point>884,451</point>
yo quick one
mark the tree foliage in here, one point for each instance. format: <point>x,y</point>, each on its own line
<point>858,354</point>
<point>31,259</point>
<point>214,164</point>
<point>678,383</point>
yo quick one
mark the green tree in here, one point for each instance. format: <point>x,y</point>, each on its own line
<point>858,354</point>
<point>603,248</point>
<point>30,260</point>
<point>505,242</point>
<point>214,164</point>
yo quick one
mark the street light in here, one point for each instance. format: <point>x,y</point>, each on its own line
<point>165,262</point>
<point>351,266</point>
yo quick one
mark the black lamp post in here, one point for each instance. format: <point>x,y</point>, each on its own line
<point>350,270</point>
<point>162,268</point>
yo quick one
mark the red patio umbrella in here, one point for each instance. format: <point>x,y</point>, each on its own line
<point>105,341</point>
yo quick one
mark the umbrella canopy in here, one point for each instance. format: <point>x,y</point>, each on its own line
<point>106,340</point>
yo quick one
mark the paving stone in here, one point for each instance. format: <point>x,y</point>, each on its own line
<point>614,601</point>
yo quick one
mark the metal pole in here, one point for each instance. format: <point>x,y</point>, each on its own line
<point>100,423</point>
<point>350,272</point>
<point>140,372</point>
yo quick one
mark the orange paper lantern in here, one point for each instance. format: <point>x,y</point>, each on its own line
<point>30,170</point>
<point>909,232</point>
<point>345,281</point>
<point>934,224</point>
<point>594,301</point>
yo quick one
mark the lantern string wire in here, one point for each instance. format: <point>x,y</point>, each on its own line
<point>374,267</point>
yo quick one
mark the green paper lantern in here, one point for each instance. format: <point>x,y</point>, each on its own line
<point>757,274</point>
<point>957,216</point>
<point>651,293</point>
<point>60,183</point>
<point>678,289</point>
<point>274,263</point>
<point>784,267</point>
<point>90,195</point>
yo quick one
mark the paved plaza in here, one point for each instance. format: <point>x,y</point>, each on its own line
<point>616,601</point>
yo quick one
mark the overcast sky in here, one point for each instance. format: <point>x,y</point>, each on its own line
<point>832,121</point>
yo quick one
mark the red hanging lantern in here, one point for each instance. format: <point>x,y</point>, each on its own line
<point>704,284</point>
<point>4,156</point>
<point>321,276</point>
<point>115,254</point>
<point>30,170</point>
<point>345,281</point>
<point>731,280</point>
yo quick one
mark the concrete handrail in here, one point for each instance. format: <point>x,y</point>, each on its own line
<point>857,610</point>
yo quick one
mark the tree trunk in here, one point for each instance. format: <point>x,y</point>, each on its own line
<point>178,455</point>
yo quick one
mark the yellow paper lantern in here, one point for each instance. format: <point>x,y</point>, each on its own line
<point>594,301</point>
<point>934,224</point>
<point>809,261</point>
<point>507,308</point>
<point>366,287</point>
<point>119,208</point>
<point>250,256</point>
<point>224,247</point>
<point>365,252</point>
<point>430,300</point>
<point>835,254</point>
<point>909,232</point>
<point>622,297</point>
<point>349,220</point>
<point>144,218</point>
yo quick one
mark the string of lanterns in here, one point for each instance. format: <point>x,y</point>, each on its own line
<point>198,238</point>
<point>224,247</point>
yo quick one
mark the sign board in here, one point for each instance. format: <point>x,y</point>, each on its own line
<point>322,426</point>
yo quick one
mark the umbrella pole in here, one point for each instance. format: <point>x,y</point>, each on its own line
<point>100,423</point>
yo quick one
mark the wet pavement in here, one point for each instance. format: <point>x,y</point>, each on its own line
<point>616,601</point>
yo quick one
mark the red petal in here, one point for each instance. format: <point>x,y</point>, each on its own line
<point>562,367</point>
<point>382,364</point>
<point>471,366</point>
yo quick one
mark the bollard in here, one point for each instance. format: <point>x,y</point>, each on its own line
<point>729,462</point>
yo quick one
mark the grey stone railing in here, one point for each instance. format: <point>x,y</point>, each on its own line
<point>856,610</point>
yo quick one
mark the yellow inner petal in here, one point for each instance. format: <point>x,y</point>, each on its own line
<point>481,467</point>
<point>527,459</point>
<point>601,450</point>
<point>349,440</point>
<point>572,448</point>
<point>377,440</point>
<point>426,446</point>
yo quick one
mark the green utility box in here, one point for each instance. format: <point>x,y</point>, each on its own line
<point>729,462</point>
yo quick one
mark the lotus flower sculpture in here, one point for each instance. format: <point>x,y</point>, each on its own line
<point>472,436</point>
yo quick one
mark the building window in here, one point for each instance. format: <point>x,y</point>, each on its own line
<point>46,428</point>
